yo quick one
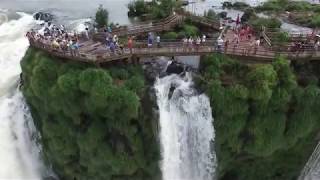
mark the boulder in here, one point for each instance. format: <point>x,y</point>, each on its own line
<point>43,16</point>
<point>174,68</point>
<point>223,14</point>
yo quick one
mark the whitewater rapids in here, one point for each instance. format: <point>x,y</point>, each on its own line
<point>186,130</point>
<point>19,153</point>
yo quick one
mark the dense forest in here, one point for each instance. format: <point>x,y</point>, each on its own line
<point>266,120</point>
<point>91,120</point>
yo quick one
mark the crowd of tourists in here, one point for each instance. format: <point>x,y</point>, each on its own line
<point>56,37</point>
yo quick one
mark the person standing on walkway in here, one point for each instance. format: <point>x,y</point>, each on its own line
<point>130,44</point>
<point>112,47</point>
<point>150,40</point>
<point>226,44</point>
<point>198,41</point>
<point>203,40</point>
<point>109,29</point>
<point>185,43</point>
<point>256,46</point>
<point>158,41</point>
<point>190,43</point>
<point>220,44</point>
<point>87,32</point>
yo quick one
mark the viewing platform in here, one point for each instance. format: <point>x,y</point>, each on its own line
<point>95,52</point>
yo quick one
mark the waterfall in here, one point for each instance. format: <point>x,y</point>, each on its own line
<point>19,153</point>
<point>186,130</point>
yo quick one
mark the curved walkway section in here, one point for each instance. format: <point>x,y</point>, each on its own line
<point>163,25</point>
<point>97,53</point>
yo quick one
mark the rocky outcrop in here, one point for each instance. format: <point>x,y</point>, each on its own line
<point>175,68</point>
<point>43,16</point>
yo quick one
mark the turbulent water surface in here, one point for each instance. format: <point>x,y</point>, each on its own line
<point>186,130</point>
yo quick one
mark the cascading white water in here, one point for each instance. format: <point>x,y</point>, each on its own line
<point>186,130</point>
<point>19,154</point>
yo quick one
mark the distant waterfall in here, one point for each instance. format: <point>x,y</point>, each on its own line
<point>187,132</point>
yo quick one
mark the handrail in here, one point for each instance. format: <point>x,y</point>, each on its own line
<point>175,48</point>
<point>265,37</point>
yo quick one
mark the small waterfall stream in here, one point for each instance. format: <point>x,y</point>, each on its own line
<point>186,130</point>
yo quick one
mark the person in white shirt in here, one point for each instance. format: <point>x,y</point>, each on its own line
<point>220,44</point>
<point>203,38</point>
<point>198,41</point>
<point>158,41</point>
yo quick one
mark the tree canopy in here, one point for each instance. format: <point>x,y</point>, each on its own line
<point>102,16</point>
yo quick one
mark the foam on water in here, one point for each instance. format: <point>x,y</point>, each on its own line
<point>19,153</point>
<point>186,130</point>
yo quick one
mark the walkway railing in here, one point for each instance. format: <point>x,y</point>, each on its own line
<point>100,54</point>
<point>265,37</point>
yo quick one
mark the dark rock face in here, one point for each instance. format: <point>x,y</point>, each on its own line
<point>247,14</point>
<point>43,16</point>
<point>175,68</point>
<point>153,68</point>
<point>223,14</point>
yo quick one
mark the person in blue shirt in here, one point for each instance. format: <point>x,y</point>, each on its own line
<point>112,47</point>
<point>150,40</point>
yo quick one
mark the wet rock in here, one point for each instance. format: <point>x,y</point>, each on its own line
<point>248,13</point>
<point>43,16</point>
<point>223,14</point>
<point>153,68</point>
<point>175,68</point>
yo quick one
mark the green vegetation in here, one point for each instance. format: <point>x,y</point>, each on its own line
<point>101,17</point>
<point>170,35</point>
<point>184,30</point>
<point>211,15</point>
<point>156,9</point>
<point>137,8</point>
<point>235,5</point>
<point>91,120</point>
<point>301,12</point>
<point>258,22</point>
<point>265,122</point>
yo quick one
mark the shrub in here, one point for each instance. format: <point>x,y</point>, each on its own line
<point>190,30</point>
<point>137,8</point>
<point>170,35</point>
<point>101,17</point>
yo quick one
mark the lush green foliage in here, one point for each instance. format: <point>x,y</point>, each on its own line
<point>157,9</point>
<point>101,17</point>
<point>211,15</point>
<point>190,30</point>
<point>301,12</point>
<point>265,122</point>
<point>90,119</point>
<point>235,5</point>
<point>257,22</point>
<point>170,35</point>
<point>282,38</point>
<point>163,8</point>
<point>137,8</point>
<point>286,5</point>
